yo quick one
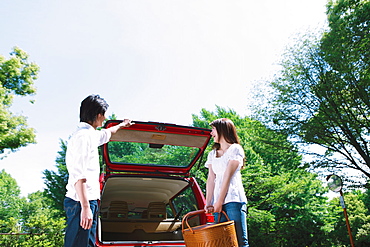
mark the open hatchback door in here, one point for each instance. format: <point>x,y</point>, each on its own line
<point>155,148</point>
<point>146,188</point>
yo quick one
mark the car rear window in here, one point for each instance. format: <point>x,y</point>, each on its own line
<point>151,154</point>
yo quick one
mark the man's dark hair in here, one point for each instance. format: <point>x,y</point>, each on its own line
<point>91,106</point>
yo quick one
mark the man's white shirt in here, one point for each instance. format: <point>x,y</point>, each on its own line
<point>82,159</point>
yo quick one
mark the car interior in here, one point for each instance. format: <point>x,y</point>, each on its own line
<point>144,208</point>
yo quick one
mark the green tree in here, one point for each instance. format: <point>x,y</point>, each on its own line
<point>358,217</point>
<point>321,95</point>
<point>31,221</point>
<point>17,77</point>
<point>56,181</point>
<point>9,226</point>
<point>10,208</point>
<point>38,219</point>
<point>10,201</point>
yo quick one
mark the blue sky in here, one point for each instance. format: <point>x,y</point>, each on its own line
<point>152,60</point>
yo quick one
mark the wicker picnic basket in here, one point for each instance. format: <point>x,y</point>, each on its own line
<point>213,235</point>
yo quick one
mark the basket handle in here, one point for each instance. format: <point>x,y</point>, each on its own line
<point>193,213</point>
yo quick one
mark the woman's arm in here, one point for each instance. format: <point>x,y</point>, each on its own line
<point>229,172</point>
<point>210,186</point>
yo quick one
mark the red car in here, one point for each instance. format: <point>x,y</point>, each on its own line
<point>146,188</point>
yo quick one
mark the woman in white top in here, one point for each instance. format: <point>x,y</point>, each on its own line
<point>225,190</point>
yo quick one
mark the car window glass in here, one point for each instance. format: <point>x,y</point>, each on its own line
<point>151,154</point>
<point>185,202</point>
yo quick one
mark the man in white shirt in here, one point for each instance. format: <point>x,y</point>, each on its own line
<point>82,160</point>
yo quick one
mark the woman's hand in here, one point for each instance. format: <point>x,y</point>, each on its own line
<point>209,209</point>
<point>217,207</point>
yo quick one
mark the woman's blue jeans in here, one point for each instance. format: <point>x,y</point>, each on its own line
<point>236,211</point>
<point>75,235</point>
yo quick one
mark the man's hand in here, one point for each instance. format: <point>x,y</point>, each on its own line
<point>86,218</point>
<point>126,123</point>
<point>123,124</point>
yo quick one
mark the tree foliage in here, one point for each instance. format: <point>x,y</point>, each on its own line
<point>321,95</point>
<point>17,77</point>
<point>10,201</point>
<point>56,181</point>
<point>42,222</point>
<point>27,221</point>
<point>358,216</point>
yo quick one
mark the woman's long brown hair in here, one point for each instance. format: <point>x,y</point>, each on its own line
<point>225,128</point>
